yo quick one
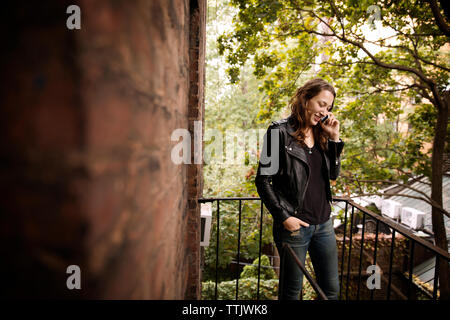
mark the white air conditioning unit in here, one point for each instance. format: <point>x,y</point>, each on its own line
<point>391,208</point>
<point>377,200</point>
<point>411,217</point>
<point>205,223</point>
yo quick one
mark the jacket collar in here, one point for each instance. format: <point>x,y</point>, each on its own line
<point>292,147</point>
<point>290,125</point>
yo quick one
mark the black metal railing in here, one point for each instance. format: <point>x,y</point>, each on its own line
<point>396,228</point>
<point>413,240</point>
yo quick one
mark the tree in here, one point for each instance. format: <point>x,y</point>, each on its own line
<point>230,107</point>
<point>408,59</point>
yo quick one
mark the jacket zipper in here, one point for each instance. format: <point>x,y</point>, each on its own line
<point>309,173</point>
<point>307,178</point>
<point>306,187</point>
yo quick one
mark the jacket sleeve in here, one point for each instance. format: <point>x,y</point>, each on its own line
<point>334,154</point>
<point>269,169</point>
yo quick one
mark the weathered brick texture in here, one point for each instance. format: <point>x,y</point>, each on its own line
<point>86,174</point>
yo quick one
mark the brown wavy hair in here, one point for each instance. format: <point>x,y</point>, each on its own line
<point>298,104</point>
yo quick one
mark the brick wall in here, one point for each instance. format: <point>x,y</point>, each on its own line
<point>86,174</point>
<point>197,48</point>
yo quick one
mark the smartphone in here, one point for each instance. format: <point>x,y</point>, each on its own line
<point>324,118</point>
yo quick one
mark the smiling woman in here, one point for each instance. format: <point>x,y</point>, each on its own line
<point>298,195</point>
<point>310,103</point>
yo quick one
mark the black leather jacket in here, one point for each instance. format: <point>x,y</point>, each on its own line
<point>283,190</point>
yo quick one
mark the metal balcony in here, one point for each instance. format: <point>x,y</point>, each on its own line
<point>348,235</point>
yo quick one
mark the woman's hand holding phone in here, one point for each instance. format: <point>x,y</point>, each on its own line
<point>330,125</point>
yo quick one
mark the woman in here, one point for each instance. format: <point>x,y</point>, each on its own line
<point>306,153</point>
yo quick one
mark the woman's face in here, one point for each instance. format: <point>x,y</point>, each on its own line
<point>317,107</point>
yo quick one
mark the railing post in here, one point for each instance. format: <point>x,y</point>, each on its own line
<point>436,278</point>
<point>239,250</point>
<point>349,252</point>
<point>259,254</point>
<point>411,265</point>
<point>217,247</point>
<point>361,254</point>
<point>375,253</point>
<point>343,250</point>
<point>390,265</point>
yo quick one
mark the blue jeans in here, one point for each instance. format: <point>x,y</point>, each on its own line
<point>320,241</point>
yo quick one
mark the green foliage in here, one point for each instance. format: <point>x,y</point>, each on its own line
<point>372,207</point>
<point>268,289</point>
<point>251,271</point>
<point>270,47</point>
<point>226,290</point>
<point>378,86</point>
<point>230,108</point>
<point>308,291</point>
<point>228,236</point>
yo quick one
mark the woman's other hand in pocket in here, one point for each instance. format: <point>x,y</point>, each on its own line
<point>293,224</point>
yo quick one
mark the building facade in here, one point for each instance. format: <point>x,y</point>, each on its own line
<point>87,175</point>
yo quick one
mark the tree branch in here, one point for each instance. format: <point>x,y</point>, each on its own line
<point>414,52</point>
<point>443,26</point>
<point>430,82</point>
<point>412,177</point>
<point>390,182</point>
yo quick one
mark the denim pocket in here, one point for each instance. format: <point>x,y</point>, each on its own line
<point>295,232</point>
<point>292,235</point>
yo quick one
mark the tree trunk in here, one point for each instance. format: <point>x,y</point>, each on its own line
<point>437,163</point>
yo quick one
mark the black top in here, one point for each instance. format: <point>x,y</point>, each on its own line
<point>316,208</point>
